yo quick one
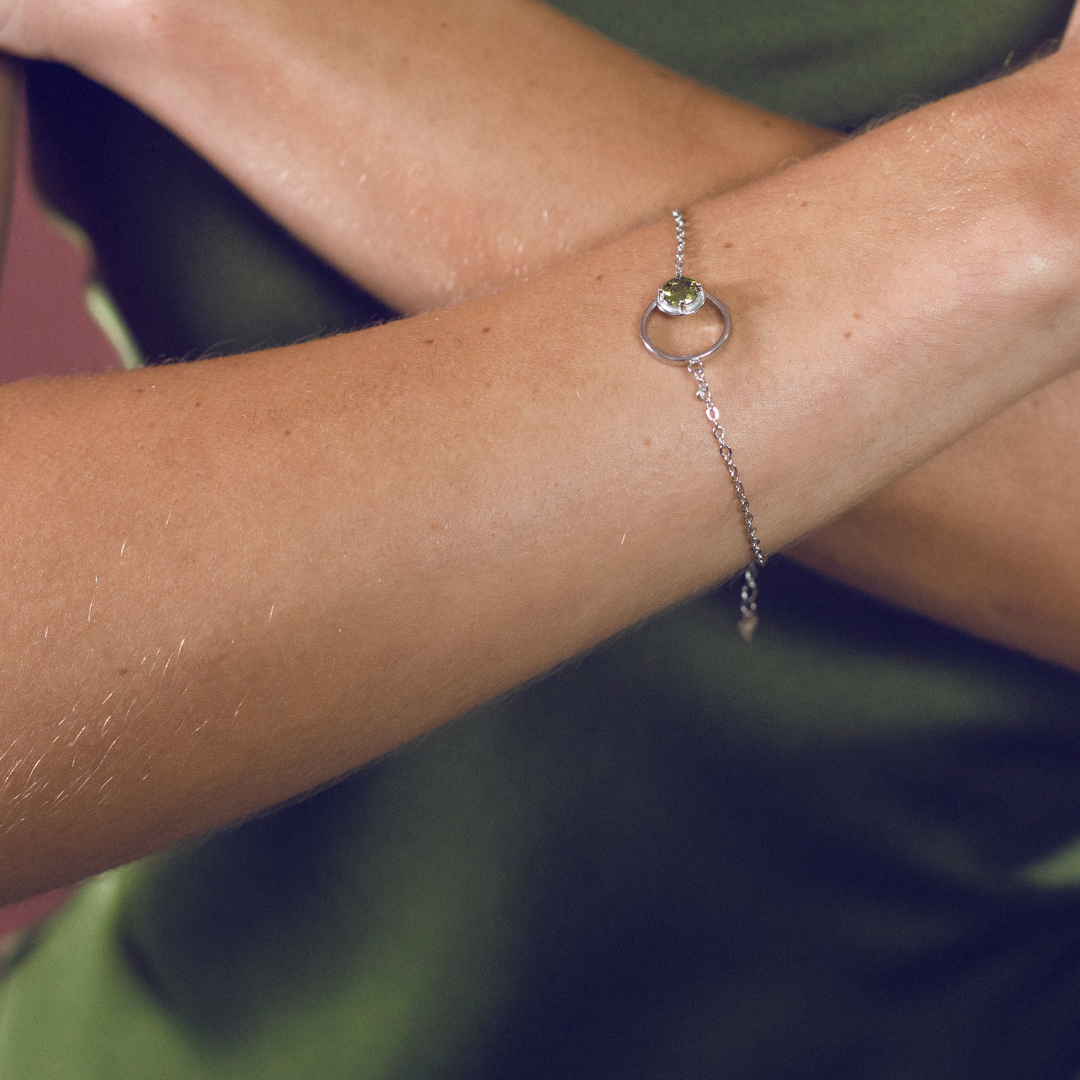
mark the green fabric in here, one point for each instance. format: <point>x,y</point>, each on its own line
<point>849,852</point>
<point>196,269</point>
<point>650,864</point>
<point>838,63</point>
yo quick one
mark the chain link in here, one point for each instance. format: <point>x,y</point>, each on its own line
<point>749,591</point>
<point>680,237</point>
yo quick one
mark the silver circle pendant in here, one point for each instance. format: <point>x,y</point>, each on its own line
<point>683,296</point>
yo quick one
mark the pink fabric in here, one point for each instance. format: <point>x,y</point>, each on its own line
<point>45,328</point>
<point>37,909</point>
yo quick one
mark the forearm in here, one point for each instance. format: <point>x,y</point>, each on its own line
<point>233,580</point>
<point>984,536</point>
<point>434,151</point>
<point>515,139</point>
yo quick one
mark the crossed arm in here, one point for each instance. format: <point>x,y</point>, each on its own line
<point>437,151</point>
<point>228,582</point>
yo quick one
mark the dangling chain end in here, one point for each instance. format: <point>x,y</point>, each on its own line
<point>748,607</point>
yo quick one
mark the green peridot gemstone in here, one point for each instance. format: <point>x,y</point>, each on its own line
<point>680,296</point>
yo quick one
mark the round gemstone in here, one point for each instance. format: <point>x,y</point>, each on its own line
<point>680,296</point>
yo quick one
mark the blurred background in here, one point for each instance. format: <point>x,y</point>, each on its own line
<point>45,328</point>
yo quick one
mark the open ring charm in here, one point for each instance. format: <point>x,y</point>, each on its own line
<point>683,296</point>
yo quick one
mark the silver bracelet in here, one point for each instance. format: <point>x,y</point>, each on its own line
<point>683,296</point>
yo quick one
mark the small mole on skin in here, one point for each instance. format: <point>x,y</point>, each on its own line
<point>287,432</point>
<point>648,440</point>
<point>856,315</point>
<point>599,277</point>
<point>123,671</point>
<point>847,333</point>
<point>429,341</point>
<point>729,244</point>
<point>486,330</point>
<point>805,204</point>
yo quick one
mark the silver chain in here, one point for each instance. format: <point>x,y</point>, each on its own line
<point>748,605</point>
<point>680,236</point>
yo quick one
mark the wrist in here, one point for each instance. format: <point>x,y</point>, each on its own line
<point>910,284</point>
<point>139,48</point>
